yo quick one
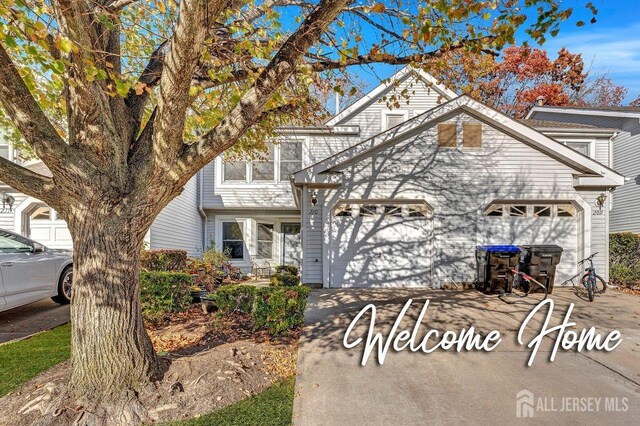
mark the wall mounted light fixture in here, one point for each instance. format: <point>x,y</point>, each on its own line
<point>602,198</point>
<point>314,198</point>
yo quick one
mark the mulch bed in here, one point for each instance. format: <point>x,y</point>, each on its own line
<point>213,361</point>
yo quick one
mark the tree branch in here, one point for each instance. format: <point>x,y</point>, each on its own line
<point>185,48</point>
<point>29,182</point>
<point>250,108</point>
<point>29,119</point>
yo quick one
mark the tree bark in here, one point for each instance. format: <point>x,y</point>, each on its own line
<point>111,353</point>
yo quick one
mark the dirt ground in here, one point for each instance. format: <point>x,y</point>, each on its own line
<point>209,362</point>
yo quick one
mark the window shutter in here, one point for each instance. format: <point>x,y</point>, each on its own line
<point>447,135</point>
<point>472,135</point>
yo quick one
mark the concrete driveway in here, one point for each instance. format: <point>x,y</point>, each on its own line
<point>445,387</point>
<point>32,318</point>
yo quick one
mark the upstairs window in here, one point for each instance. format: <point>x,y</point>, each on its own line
<point>234,171</point>
<point>5,151</point>
<point>263,167</point>
<point>290,158</point>
<point>583,148</point>
<point>394,119</point>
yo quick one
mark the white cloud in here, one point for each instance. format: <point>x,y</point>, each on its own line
<point>614,51</point>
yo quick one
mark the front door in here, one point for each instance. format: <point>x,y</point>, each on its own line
<point>291,244</point>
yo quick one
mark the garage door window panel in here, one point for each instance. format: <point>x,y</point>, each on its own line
<point>542,211</point>
<point>43,213</point>
<point>566,210</point>
<point>518,211</point>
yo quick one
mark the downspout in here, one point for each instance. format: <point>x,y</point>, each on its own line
<point>203,215</point>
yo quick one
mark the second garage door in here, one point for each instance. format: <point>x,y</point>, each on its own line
<point>380,245</point>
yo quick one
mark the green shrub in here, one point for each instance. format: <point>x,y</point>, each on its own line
<point>279,309</point>
<point>234,298</point>
<point>624,259</point>
<point>216,258</point>
<point>284,280</point>
<point>287,269</point>
<point>163,260</point>
<point>164,292</point>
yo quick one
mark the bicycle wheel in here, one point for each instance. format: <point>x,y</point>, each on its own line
<point>590,291</point>
<point>600,284</point>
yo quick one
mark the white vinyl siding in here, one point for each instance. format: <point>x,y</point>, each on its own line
<point>422,97</point>
<point>458,183</point>
<point>179,225</point>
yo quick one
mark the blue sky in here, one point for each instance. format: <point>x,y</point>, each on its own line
<point>611,45</point>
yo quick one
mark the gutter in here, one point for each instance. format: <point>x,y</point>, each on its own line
<point>203,215</point>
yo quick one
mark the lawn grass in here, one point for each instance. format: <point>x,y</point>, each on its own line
<point>22,360</point>
<point>273,407</point>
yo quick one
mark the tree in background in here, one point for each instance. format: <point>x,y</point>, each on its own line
<point>125,100</point>
<point>515,80</point>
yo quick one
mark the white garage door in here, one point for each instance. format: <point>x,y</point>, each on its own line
<point>380,245</point>
<point>523,224</point>
<point>44,226</point>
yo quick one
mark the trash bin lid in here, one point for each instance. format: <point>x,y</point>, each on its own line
<point>500,248</point>
<point>542,248</point>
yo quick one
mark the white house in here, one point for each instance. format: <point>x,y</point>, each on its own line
<point>624,152</point>
<point>397,197</point>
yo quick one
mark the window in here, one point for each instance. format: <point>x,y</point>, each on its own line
<point>447,137</point>
<point>344,210</point>
<point>10,243</point>
<point>416,210</point>
<point>394,119</point>
<point>232,240</point>
<point>234,171</point>
<point>5,151</point>
<point>494,210</point>
<point>263,167</point>
<point>583,148</point>
<point>518,211</point>
<point>265,241</point>
<point>541,211</point>
<point>472,135</point>
<point>566,210</point>
<point>368,210</point>
<point>41,213</point>
<point>290,158</point>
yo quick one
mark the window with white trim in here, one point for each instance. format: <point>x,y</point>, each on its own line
<point>233,239</point>
<point>537,210</point>
<point>263,168</point>
<point>6,151</point>
<point>583,148</point>
<point>234,171</point>
<point>265,241</point>
<point>290,158</point>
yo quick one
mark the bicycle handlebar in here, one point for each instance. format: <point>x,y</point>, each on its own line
<point>588,258</point>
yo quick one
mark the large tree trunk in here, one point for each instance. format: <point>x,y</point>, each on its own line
<point>111,354</point>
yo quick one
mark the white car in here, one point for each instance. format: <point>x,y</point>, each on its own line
<point>30,271</point>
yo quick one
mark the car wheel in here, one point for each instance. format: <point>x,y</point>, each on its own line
<point>64,287</point>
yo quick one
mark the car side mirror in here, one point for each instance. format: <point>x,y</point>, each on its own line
<point>37,248</point>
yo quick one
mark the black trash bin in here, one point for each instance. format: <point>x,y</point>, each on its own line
<point>540,261</point>
<point>494,264</point>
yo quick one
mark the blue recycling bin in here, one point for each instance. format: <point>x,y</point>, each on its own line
<point>494,265</point>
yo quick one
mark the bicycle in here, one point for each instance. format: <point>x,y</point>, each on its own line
<point>522,287</point>
<point>589,280</point>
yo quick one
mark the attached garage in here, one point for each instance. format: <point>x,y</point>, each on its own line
<point>38,221</point>
<point>536,222</point>
<point>382,243</point>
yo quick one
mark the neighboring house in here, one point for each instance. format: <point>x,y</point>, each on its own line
<point>624,153</point>
<point>393,197</point>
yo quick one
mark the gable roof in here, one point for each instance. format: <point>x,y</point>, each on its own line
<point>324,172</point>
<point>398,77</point>
<point>613,111</point>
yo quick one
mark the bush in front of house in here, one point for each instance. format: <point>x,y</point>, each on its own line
<point>163,260</point>
<point>287,269</point>
<point>284,280</point>
<point>624,259</point>
<point>164,292</point>
<point>279,309</point>
<point>234,298</point>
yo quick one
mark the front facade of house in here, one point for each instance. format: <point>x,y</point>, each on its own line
<point>624,151</point>
<point>401,197</point>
